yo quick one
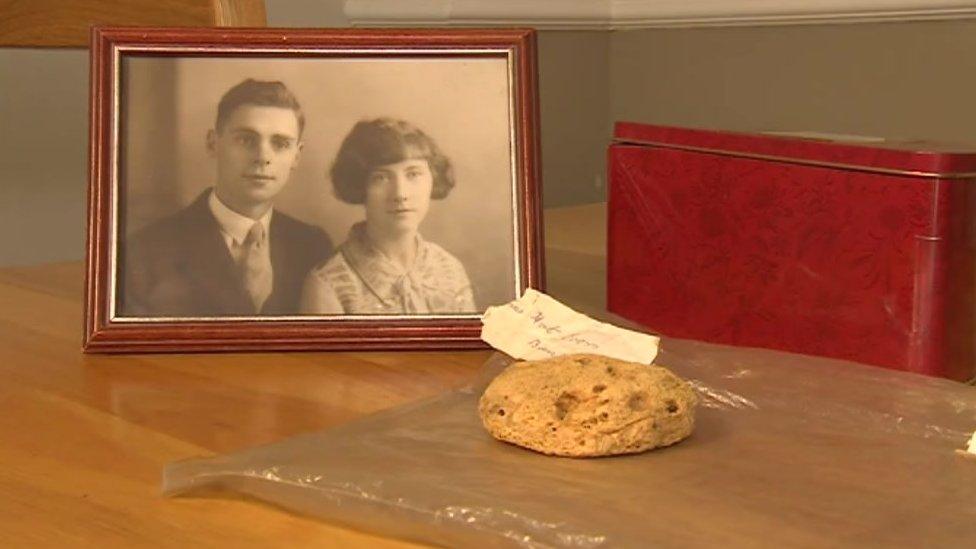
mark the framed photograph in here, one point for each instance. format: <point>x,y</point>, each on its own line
<point>271,189</point>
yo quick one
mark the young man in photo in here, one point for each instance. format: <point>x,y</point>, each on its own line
<point>230,253</point>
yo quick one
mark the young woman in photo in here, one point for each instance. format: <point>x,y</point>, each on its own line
<point>385,266</point>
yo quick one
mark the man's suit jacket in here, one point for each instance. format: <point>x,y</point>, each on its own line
<point>180,266</point>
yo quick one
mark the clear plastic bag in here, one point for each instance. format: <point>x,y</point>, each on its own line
<point>787,450</point>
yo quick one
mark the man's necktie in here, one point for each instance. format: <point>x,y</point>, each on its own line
<point>256,266</point>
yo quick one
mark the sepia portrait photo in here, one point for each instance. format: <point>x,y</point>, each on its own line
<point>301,187</point>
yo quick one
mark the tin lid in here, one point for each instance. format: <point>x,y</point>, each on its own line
<point>914,158</point>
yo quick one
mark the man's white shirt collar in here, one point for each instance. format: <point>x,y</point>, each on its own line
<point>233,224</point>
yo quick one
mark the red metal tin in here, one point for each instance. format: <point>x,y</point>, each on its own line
<point>865,252</point>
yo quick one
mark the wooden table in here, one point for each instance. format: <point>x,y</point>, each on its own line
<point>86,436</point>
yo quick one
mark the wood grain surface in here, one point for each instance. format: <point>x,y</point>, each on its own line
<point>62,23</point>
<point>86,437</point>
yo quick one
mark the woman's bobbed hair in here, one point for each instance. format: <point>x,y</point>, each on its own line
<point>374,143</point>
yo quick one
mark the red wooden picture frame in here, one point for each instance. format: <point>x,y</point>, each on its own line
<point>107,331</point>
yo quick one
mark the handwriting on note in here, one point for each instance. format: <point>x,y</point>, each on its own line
<point>537,326</point>
<point>538,345</point>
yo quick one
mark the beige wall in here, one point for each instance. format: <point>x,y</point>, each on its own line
<point>574,97</point>
<point>892,79</point>
<point>43,155</point>
<point>306,13</point>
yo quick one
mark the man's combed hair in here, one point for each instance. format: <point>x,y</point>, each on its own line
<point>374,143</point>
<point>270,93</point>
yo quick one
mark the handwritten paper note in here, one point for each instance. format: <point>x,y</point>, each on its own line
<point>537,326</point>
